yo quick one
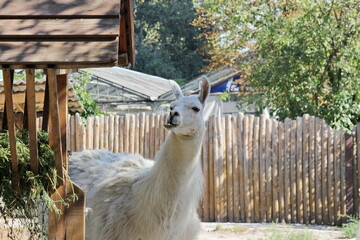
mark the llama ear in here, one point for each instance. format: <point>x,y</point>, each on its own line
<point>204,90</point>
<point>176,89</point>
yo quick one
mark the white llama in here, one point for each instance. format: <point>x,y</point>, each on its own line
<point>133,198</point>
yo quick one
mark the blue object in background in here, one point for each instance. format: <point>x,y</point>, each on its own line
<point>227,86</point>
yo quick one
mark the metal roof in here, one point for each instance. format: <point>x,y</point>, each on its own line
<point>149,86</point>
<point>214,77</point>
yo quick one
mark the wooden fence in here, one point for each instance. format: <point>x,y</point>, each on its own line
<point>256,169</point>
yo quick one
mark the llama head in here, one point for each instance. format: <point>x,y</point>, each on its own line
<point>186,112</point>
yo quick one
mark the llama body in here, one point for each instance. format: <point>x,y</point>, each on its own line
<point>133,198</point>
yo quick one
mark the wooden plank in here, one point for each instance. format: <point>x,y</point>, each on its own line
<point>59,8</point>
<point>106,132</point>
<point>305,165</point>
<point>78,133</point>
<point>229,167</point>
<point>287,192</point>
<point>58,52</point>
<point>293,164</point>
<point>157,133</point>
<point>247,208</point>
<point>90,133</point>
<point>251,167</point>
<point>72,135</point>
<point>55,133</point>
<point>235,167</point>
<point>132,134</point>
<point>241,159</point>
<point>56,222</point>
<point>96,132</point>
<point>31,117</point>
<point>262,186</point>
<point>147,137</point>
<point>275,168</point>
<point>330,176</point>
<point>217,169</point>
<point>152,135</point>
<point>75,214</point>
<point>349,174</point>
<point>256,169</point>
<point>62,87</point>
<point>8,88</point>
<point>211,169</point>
<point>343,177</point>
<point>337,170</point>
<point>268,171</point>
<point>205,168</point>
<point>223,173</point>
<point>111,133</point>
<point>318,203</point>
<point>281,171</point>
<point>141,133</point>
<point>324,164</point>
<point>127,133</point>
<point>116,134</point>
<point>312,167</point>
<point>121,133</point>
<point>137,134</point>
<point>59,28</point>
<point>299,172</point>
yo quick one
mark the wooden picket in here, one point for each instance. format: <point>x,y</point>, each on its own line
<point>256,169</point>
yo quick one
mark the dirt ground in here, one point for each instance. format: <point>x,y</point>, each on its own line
<point>258,231</point>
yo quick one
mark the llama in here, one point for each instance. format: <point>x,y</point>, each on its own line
<point>131,198</point>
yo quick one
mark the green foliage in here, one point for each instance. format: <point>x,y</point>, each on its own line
<point>165,40</point>
<point>352,226</point>
<point>89,104</point>
<point>29,203</point>
<point>298,56</point>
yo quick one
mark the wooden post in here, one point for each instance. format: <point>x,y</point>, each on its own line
<point>55,133</point>
<point>8,87</point>
<point>31,119</point>
<point>62,88</point>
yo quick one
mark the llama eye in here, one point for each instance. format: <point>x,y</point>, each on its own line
<point>196,109</point>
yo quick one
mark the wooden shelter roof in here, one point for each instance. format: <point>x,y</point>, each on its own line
<point>66,33</point>
<point>19,92</point>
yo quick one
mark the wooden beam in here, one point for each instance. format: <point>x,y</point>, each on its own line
<point>58,52</point>
<point>97,28</point>
<point>57,8</point>
<point>62,65</point>
<point>8,87</point>
<point>31,119</point>
<point>54,133</point>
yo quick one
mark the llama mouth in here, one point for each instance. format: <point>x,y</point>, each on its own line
<point>169,125</point>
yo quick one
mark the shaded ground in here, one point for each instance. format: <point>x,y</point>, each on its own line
<point>266,231</point>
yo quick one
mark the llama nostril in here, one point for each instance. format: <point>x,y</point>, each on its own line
<point>176,114</point>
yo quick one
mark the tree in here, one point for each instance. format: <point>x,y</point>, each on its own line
<point>91,108</point>
<point>297,56</point>
<point>165,40</point>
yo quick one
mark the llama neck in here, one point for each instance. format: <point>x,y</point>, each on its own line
<point>178,153</point>
<point>176,162</point>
